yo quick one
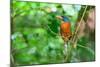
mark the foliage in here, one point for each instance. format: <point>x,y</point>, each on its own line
<point>35,34</point>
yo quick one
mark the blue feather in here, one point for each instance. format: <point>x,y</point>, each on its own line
<point>65,19</point>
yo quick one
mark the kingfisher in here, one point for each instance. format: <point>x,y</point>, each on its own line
<point>65,28</point>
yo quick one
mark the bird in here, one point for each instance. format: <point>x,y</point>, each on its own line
<point>65,28</point>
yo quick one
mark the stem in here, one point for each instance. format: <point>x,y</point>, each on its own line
<point>12,62</point>
<point>80,23</point>
<point>88,49</point>
<point>52,31</point>
<point>73,40</point>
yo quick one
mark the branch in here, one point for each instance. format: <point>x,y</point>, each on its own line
<point>76,31</point>
<point>73,40</point>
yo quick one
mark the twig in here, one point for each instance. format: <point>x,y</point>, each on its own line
<point>88,49</point>
<point>12,62</point>
<point>73,41</point>
<point>52,31</point>
<point>80,23</point>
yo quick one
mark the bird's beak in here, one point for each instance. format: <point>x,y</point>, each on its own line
<point>59,17</point>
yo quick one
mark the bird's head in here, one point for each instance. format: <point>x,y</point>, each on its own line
<point>63,18</point>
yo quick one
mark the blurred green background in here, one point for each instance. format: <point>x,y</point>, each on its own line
<point>35,33</point>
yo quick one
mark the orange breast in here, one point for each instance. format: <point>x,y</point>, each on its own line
<point>65,27</point>
<point>65,31</point>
